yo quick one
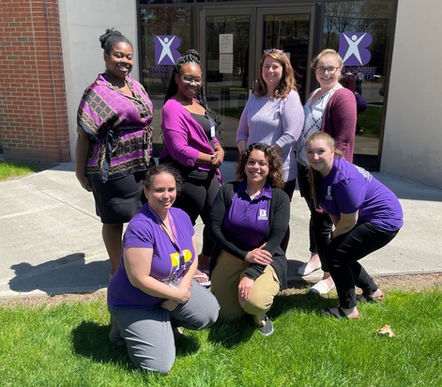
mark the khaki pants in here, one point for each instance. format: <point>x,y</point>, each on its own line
<point>225,278</point>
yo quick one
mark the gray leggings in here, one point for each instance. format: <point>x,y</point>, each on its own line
<point>148,334</point>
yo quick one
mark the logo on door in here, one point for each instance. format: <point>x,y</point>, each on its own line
<point>353,48</point>
<point>166,49</point>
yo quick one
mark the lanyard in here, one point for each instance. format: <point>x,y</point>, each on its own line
<point>172,234</point>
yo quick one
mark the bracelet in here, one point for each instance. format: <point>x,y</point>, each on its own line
<point>212,157</point>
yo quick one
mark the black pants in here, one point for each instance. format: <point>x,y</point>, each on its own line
<point>196,198</point>
<point>289,188</point>
<point>342,255</point>
<point>320,225</point>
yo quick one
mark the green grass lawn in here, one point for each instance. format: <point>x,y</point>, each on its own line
<point>66,345</point>
<point>9,170</point>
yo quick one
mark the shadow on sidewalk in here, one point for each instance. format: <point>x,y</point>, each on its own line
<point>69,274</point>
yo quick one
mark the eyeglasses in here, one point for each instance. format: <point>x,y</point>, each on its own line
<point>190,79</point>
<point>331,70</point>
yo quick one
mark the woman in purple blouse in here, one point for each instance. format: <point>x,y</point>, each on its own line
<point>114,141</point>
<point>190,131</point>
<point>366,216</point>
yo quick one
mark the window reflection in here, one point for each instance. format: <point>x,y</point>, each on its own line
<point>375,18</point>
<point>161,21</point>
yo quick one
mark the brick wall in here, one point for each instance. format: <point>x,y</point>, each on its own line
<point>33,112</point>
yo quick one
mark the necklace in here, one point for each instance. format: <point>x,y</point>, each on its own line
<point>254,195</point>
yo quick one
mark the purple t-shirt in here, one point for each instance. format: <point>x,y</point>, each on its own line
<point>144,231</point>
<point>247,221</point>
<point>349,188</point>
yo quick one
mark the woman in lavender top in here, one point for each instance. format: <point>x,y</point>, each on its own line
<point>153,289</point>
<point>273,115</point>
<point>366,216</point>
<point>114,141</point>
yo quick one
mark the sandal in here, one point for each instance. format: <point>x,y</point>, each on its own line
<point>337,312</point>
<point>202,278</point>
<point>364,297</point>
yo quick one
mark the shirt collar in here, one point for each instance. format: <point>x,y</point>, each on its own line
<point>266,191</point>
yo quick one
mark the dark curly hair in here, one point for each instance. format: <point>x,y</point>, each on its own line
<point>110,38</point>
<point>275,177</point>
<point>162,168</point>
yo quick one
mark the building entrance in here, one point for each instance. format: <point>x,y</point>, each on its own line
<point>232,43</point>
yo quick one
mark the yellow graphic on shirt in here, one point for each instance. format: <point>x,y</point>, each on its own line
<point>175,258</point>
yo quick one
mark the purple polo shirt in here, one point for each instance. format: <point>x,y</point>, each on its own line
<point>144,231</point>
<point>349,188</point>
<point>248,220</point>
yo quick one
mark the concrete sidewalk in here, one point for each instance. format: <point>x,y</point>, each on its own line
<point>51,244</point>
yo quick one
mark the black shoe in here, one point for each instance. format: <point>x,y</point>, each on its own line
<point>267,328</point>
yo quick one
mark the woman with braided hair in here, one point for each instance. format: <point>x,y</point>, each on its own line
<point>190,143</point>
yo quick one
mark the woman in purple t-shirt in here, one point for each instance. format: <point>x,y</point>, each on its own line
<point>153,288</point>
<point>366,216</point>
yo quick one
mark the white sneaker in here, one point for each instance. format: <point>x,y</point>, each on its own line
<point>307,269</point>
<point>321,287</point>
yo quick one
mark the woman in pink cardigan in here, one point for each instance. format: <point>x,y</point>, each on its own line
<point>332,109</point>
<point>189,132</point>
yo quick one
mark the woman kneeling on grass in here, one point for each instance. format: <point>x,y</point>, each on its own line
<point>152,291</point>
<point>366,216</point>
<point>249,219</point>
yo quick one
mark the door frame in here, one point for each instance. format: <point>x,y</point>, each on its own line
<point>256,14</point>
<point>227,11</point>
<point>285,10</point>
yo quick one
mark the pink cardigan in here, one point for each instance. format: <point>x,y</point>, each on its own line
<point>183,136</point>
<point>339,121</point>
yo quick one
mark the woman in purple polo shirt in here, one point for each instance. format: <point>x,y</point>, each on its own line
<point>249,219</point>
<point>366,216</point>
<point>190,143</point>
<point>153,289</point>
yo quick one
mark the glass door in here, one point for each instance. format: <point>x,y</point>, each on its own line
<point>232,43</point>
<point>289,29</point>
<point>227,37</point>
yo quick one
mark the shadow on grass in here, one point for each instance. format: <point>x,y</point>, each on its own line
<point>230,334</point>
<point>308,303</point>
<point>91,340</point>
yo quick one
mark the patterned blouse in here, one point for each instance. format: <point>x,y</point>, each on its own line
<point>119,128</point>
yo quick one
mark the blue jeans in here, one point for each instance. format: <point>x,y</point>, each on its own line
<point>342,255</point>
